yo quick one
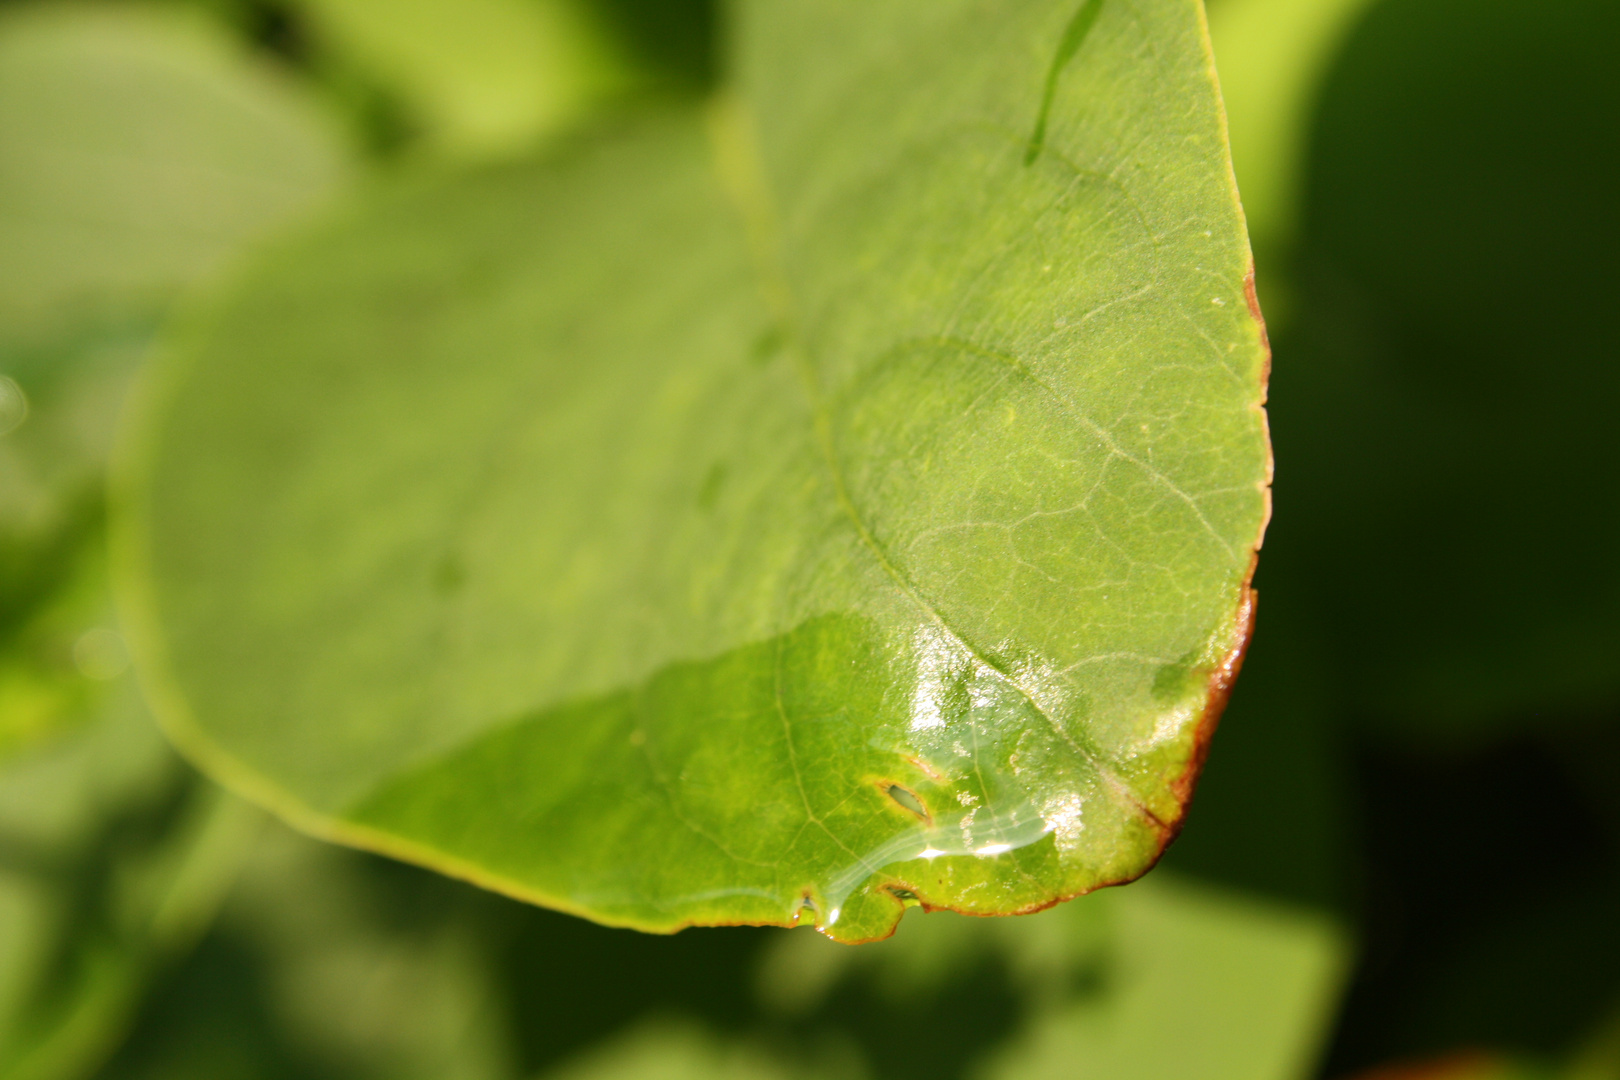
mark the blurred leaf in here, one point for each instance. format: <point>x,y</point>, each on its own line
<point>1599,1057</point>
<point>328,963</point>
<point>1450,385</point>
<point>672,41</point>
<point>142,149</point>
<point>670,1052</point>
<point>356,985</point>
<point>111,862</point>
<point>524,526</point>
<point>479,76</point>
<point>1273,56</point>
<point>1251,984</point>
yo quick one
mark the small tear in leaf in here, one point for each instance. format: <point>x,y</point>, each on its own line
<point>909,800</point>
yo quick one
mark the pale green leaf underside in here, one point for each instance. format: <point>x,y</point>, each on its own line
<point>782,513</point>
<point>139,150</point>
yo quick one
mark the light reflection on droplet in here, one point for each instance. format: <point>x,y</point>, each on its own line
<point>994,849</point>
<point>930,853</point>
<point>935,658</point>
<point>1171,724</point>
<point>1064,816</point>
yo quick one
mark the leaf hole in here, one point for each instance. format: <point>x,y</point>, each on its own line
<point>903,893</point>
<point>908,800</point>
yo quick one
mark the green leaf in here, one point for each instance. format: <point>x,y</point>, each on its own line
<point>673,1052</point>
<point>480,76</point>
<point>841,500</point>
<point>371,974</point>
<point>1251,986</point>
<point>1251,983</point>
<point>143,149</point>
<point>113,859</point>
<point>1273,56</point>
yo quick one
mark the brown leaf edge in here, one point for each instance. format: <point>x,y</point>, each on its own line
<point>1222,678</point>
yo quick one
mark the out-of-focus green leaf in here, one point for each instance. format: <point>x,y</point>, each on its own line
<point>673,1052</point>
<point>673,42</point>
<point>111,861</point>
<point>1449,383</point>
<point>1251,984</point>
<point>139,149</point>
<point>1273,56</point>
<point>329,963</point>
<point>1598,1058</point>
<point>1251,987</point>
<point>479,76</point>
<point>13,405</point>
<point>142,149</point>
<point>533,527</point>
<point>354,984</point>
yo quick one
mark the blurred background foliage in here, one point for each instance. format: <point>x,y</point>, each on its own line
<point>1404,860</point>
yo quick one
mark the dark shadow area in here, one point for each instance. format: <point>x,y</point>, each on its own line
<point>573,984</point>
<point>1491,883</point>
<point>209,1018</point>
<point>1445,386</point>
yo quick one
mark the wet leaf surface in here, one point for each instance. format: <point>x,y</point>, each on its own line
<point>839,499</point>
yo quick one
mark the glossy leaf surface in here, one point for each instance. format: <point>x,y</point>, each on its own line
<point>840,499</point>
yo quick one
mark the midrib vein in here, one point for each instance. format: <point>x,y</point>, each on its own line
<point>741,174</point>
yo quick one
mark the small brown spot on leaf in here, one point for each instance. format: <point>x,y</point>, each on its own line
<point>1260,320</point>
<point>926,769</point>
